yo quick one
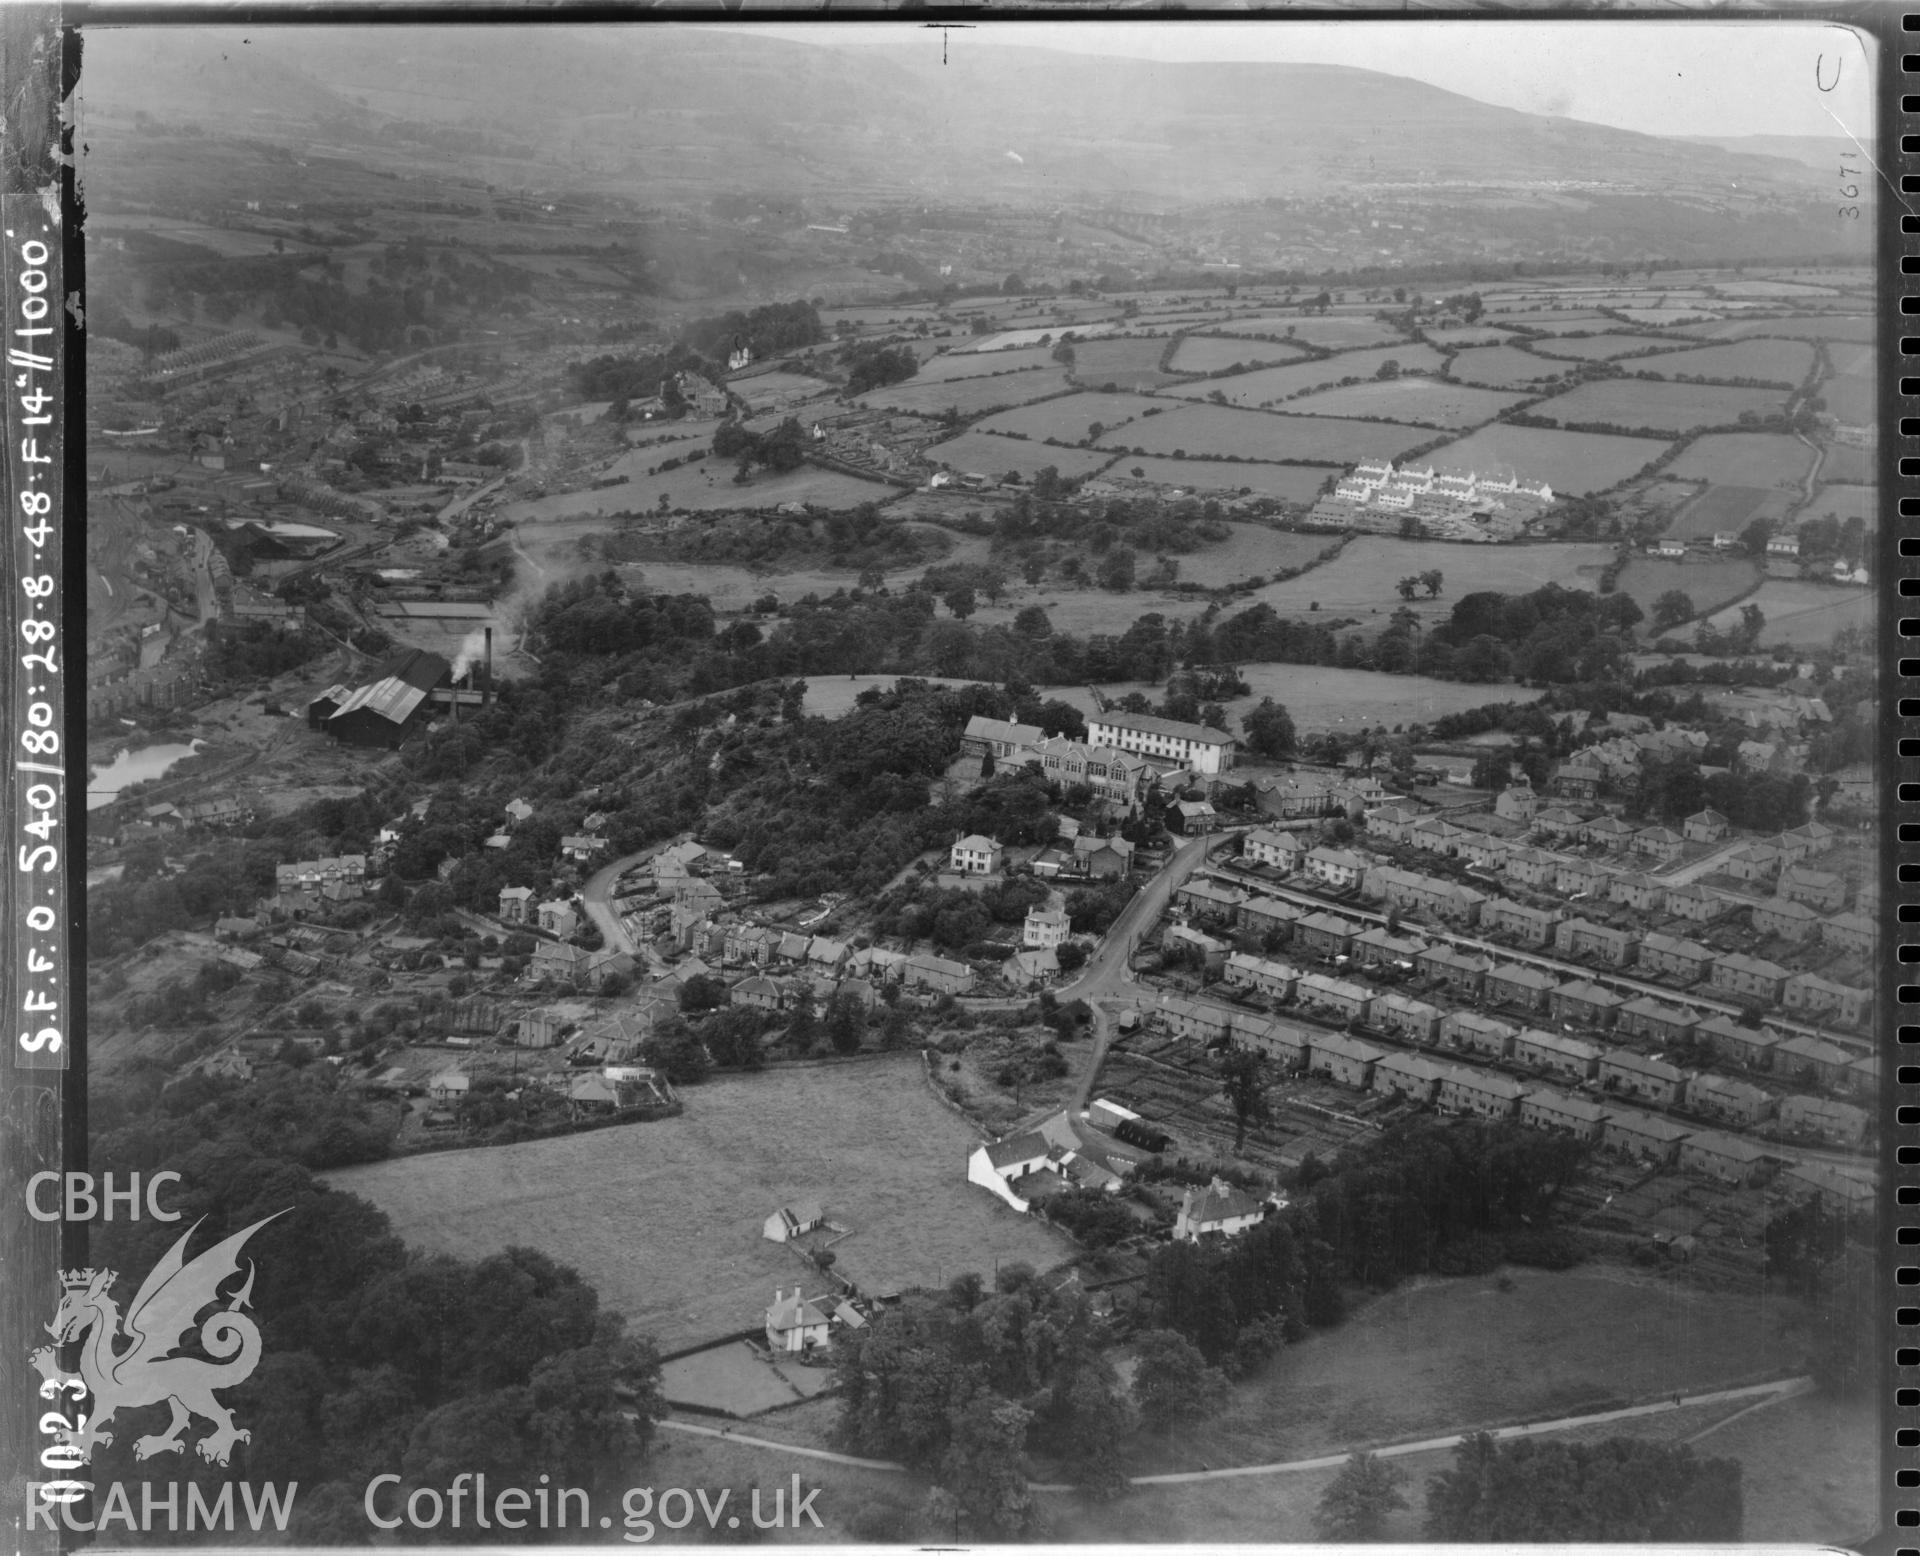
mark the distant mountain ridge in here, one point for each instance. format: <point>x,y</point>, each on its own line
<point>684,103</point>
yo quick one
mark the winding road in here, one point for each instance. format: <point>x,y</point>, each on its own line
<point>1755,1395</point>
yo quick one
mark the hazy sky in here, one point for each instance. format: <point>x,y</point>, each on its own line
<point>1662,78</point>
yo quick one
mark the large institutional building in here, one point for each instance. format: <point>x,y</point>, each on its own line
<point>1164,742</point>
<point>1454,506</point>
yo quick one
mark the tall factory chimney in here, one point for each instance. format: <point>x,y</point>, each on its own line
<point>486,685</point>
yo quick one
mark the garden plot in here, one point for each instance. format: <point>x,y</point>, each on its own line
<point>1216,431</point>
<point>983,453</point>
<point>1572,463</point>
<point>969,396</point>
<point>1660,407</point>
<point>1070,417</point>
<point>1272,385</point>
<point>1503,367</point>
<point>1604,348</point>
<point>1432,402</point>
<point>1744,459</point>
<point>1762,361</point>
<point>1219,354</point>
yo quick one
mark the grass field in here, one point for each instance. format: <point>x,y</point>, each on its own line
<point>1129,362</point>
<point>1043,335</point>
<point>1361,579</point>
<point>708,488</point>
<point>1732,508</point>
<point>1069,416</point>
<point>1709,582</point>
<point>1806,613</point>
<point>1552,321</point>
<point>1812,1469</point>
<point>1253,551</point>
<point>1575,463</point>
<point>1678,313</point>
<point>1744,459</point>
<point>1845,502</point>
<point>1216,353</point>
<point>829,696</point>
<point>979,364</point>
<point>772,389</point>
<point>1273,384</point>
<point>1503,367</point>
<point>1838,326</point>
<point>969,396</point>
<point>1658,406</point>
<point>1766,361</point>
<point>664,1218</point>
<point>1434,402</point>
<point>1850,466</point>
<point>1445,1355</point>
<point>1853,399</point>
<point>1604,348</point>
<point>985,454</point>
<point>1852,358</point>
<point>1469,335</point>
<point>1214,431</point>
<point>1324,697</point>
<point>1336,331</point>
<point>1288,483</point>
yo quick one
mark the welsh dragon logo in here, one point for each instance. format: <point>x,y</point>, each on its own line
<point>143,1372</point>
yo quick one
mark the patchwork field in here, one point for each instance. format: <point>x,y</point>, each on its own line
<point>1216,353</point>
<point>1217,430</point>
<point>1286,483</point>
<point>969,396</point>
<point>1571,462</point>
<point>1710,582</point>
<point>1130,362</point>
<point>1269,386</point>
<point>1070,416</point>
<point>1724,508</point>
<point>984,454</point>
<point>664,1218</point>
<point>1660,407</point>
<point>1503,367</point>
<point>1805,613</point>
<point>1361,579</point>
<point>1659,317</point>
<point>950,365</point>
<point>1765,361</point>
<point>1337,331</point>
<point>1604,348</point>
<point>1551,321</point>
<point>1433,402</point>
<point>1042,335</point>
<point>1744,459</point>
